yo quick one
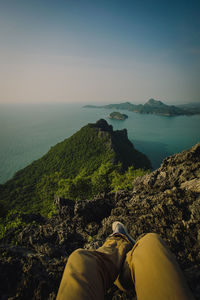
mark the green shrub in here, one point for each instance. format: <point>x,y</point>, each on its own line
<point>125,181</point>
<point>13,221</point>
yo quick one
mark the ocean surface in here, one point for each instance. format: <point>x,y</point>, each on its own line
<point>27,131</point>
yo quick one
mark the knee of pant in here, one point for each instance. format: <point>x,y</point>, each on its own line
<point>150,237</point>
<point>77,253</point>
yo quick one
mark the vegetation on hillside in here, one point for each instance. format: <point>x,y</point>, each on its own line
<point>96,159</point>
<point>107,178</point>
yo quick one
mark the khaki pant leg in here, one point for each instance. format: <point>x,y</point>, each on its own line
<point>155,272</point>
<point>88,274</point>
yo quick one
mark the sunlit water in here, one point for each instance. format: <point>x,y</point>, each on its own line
<point>28,131</point>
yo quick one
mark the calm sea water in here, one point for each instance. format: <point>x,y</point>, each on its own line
<point>28,131</point>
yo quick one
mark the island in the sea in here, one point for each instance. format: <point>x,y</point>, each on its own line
<point>117,116</point>
<point>153,106</point>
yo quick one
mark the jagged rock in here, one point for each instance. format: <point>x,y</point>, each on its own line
<point>103,125</point>
<point>27,218</point>
<point>93,210</point>
<point>60,202</point>
<point>193,185</point>
<point>65,206</point>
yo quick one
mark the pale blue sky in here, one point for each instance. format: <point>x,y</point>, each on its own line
<point>99,51</point>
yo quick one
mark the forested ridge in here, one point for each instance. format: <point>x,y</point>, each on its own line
<point>95,159</point>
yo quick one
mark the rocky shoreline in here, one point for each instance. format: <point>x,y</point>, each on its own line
<point>166,201</point>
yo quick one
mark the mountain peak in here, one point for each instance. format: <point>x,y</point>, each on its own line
<point>103,125</point>
<point>153,102</point>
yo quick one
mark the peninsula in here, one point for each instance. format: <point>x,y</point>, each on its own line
<point>152,106</point>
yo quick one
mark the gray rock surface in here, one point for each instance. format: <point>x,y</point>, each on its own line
<point>166,201</point>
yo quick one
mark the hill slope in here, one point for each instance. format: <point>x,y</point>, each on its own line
<point>86,150</point>
<point>166,201</point>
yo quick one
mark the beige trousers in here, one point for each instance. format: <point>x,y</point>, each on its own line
<point>152,269</point>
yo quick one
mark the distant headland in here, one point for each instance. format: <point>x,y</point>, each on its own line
<point>153,106</point>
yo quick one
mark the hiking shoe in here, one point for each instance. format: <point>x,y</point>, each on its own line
<point>120,228</point>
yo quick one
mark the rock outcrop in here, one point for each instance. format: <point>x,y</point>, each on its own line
<point>166,201</point>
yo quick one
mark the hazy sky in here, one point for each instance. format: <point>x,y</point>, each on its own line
<point>99,51</point>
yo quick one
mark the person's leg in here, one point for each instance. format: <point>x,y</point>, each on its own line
<point>155,272</point>
<point>88,274</point>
